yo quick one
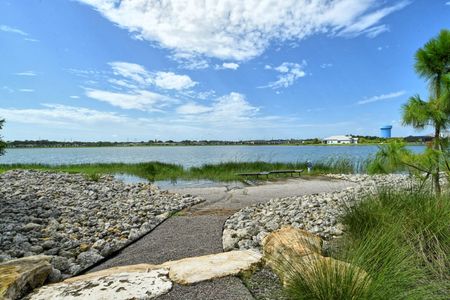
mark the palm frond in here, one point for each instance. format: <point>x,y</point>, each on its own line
<point>417,113</point>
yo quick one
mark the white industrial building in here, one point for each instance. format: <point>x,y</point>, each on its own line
<point>340,139</point>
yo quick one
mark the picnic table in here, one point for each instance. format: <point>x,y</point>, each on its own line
<point>267,173</point>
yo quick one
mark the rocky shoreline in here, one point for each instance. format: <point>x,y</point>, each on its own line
<point>76,220</point>
<point>316,213</point>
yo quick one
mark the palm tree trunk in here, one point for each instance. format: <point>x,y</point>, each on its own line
<point>437,141</point>
<point>437,146</point>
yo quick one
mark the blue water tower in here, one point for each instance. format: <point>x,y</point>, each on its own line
<point>385,131</point>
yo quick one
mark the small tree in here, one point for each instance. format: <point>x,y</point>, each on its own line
<point>433,64</point>
<point>2,143</point>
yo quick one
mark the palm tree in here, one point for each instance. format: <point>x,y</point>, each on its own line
<point>433,64</point>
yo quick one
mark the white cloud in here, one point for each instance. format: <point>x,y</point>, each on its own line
<point>131,71</point>
<point>7,89</point>
<point>6,28</point>
<point>139,99</point>
<point>376,31</point>
<point>75,97</point>
<point>31,40</point>
<point>366,23</point>
<point>192,109</point>
<point>26,73</point>
<point>138,75</point>
<point>172,81</point>
<point>132,86</point>
<point>189,61</point>
<point>122,83</point>
<point>382,97</point>
<point>447,3</point>
<point>241,30</point>
<point>233,106</point>
<point>197,95</point>
<point>289,73</point>
<point>26,90</point>
<point>232,66</point>
<point>228,110</point>
<point>326,65</point>
<point>55,114</point>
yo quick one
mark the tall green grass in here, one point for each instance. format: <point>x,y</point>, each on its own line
<point>148,170</point>
<point>402,241</point>
<point>163,171</point>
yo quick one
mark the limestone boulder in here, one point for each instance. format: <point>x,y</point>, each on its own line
<point>196,269</point>
<point>19,276</point>
<point>294,254</point>
<point>288,245</point>
<point>119,284</point>
<point>146,281</point>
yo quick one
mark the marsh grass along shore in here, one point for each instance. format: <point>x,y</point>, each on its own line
<point>219,172</point>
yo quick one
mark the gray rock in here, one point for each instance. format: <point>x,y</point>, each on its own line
<point>134,234</point>
<point>55,276</point>
<point>36,249</point>
<point>74,269</point>
<point>272,226</point>
<point>62,214</point>
<point>60,263</point>
<point>88,258</point>
<point>4,257</point>
<point>99,244</point>
<point>48,244</point>
<point>53,251</point>
<point>317,213</point>
<point>19,239</point>
<point>30,226</point>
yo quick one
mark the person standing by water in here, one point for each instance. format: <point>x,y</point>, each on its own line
<point>309,165</point>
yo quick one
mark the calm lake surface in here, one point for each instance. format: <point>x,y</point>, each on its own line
<point>188,156</point>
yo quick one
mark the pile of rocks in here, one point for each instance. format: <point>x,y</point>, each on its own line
<point>317,213</point>
<point>76,220</point>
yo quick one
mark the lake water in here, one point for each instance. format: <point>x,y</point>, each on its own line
<point>179,183</point>
<point>188,156</point>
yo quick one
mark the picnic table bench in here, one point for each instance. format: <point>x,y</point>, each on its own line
<point>255,174</point>
<point>267,173</point>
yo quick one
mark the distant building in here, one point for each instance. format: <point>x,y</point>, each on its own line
<point>340,139</point>
<point>385,131</point>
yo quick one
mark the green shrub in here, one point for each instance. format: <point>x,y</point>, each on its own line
<point>93,177</point>
<point>401,239</point>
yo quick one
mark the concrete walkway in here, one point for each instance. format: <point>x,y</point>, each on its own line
<point>198,231</point>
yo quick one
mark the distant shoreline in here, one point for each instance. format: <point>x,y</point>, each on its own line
<point>200,145</point>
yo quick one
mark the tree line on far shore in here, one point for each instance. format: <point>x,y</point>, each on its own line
<point>314,141</point>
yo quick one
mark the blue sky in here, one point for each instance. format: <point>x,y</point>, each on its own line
<point>178,69</point>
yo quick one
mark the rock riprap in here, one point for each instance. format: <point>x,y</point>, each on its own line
<point>76,220</point>
<point>316,213</point>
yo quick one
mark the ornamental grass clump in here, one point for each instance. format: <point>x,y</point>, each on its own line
<point>396,246</point>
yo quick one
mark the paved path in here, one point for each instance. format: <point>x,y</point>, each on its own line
<point>198,231</point>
